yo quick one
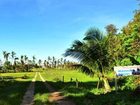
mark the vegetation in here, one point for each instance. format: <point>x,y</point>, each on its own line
<point>13,87</point>
<point>87,93</point>
<point>101,53</point>
<point>24,64</point>
<point>97,54</point>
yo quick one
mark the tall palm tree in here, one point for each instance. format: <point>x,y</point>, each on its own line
<point>49,61</point>
<point>34,58</point>
<point>53,61</point>
<point>21,60</point>
<point>25,59</point>
<point>45,63</point>
<point>6,55</point>
<point>13,56</point>
<point>91,52</point>
<point>39,62</point>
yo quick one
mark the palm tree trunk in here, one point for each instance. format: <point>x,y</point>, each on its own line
<point>105,80</point>
<point>98,84</point>
<point>106,84</point>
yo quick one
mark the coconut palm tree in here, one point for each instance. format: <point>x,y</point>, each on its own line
<point>13,56</point>
<point>15,63</point>
<point>6,55</point>
<point>39,62</point>
<point>34,58</point>
<point>45,63</point>
<point>91,52</point>
<point>25,59</point>
<point>21,60</point>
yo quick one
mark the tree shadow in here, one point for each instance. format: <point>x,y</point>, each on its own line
<point>84,95</point>
<point>12,92</point>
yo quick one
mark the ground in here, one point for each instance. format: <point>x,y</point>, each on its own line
<point>13,88</point>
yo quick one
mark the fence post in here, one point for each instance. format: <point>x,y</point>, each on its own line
<point>76,83</point>
<point>116,84</point>
<point>63,78</point>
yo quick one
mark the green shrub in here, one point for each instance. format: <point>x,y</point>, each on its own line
<point>25,77</point>
<point>128,83</point>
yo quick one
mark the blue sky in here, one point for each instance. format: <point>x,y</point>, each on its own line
<point>48,27</point>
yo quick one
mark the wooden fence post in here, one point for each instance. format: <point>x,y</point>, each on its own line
<point>77,83</point>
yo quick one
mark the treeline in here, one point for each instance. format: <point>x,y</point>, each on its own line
<point>12,63</point>
<point>101,52</point>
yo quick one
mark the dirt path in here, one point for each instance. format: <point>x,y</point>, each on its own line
<point>28,98</point>
<point>60,100</point>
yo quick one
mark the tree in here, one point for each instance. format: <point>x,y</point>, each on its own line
<point>34,58</point>
<point>25,59</point>
<point>6,55</point>
<point>13,56</point>
<point>131,39</point>
<point>21,60</point>
<point>111,29</point>
<point>15,63</point>
<point>39,62</point>
<point>91,52</point>
<point>113,43</point>
<point>45,63</point>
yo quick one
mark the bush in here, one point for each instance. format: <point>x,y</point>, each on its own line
<point>57,79</point>
<point>25,77</point>
<point>129,82</point>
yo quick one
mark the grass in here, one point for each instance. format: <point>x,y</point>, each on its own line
<point>13,87</point>
<point>57,75</point>
<point>41,93</point>
<point>86,93</point>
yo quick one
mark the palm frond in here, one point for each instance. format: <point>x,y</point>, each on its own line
<point>93,34</point>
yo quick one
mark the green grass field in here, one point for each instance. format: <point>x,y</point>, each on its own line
<point>87,93</point>
<point>14,85</point>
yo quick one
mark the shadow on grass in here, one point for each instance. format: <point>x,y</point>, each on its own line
<point>12,92</point>
<point>41,94</point>
<point>84,94</point>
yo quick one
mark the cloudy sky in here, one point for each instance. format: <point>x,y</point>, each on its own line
<point>48,27</point>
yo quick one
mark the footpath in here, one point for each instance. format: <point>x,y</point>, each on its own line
<point>55,95</point>
<point>28,98</point>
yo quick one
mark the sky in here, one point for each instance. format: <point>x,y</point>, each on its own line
<point>48,27</point>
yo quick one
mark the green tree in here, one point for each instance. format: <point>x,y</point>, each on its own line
<point>92,52</point>
<point>39,62</point>
<point>111,29</point>
<point>34,58</point>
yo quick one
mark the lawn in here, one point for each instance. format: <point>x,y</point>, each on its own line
<point>13,87</point>
<point>41,92</point>
<point>58,74</point>
<point>86,93</point>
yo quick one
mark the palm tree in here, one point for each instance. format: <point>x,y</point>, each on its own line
<point>6,55</point>
<point>39,62</point>
<point>25,59</point>
<point>91,52</point>
<point>34,58</point>
<point>53,61</point>
<point>49,61</point>
<point>15,63</point>
<point>21,60</point>
<point>45,63</point>
<point>13,56</point>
